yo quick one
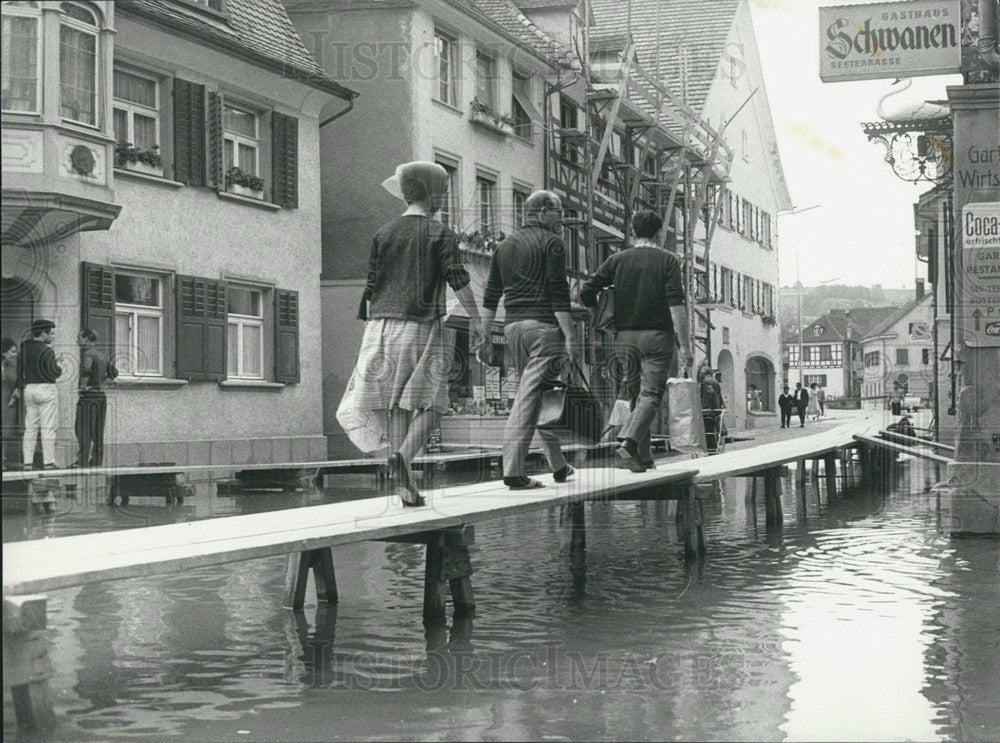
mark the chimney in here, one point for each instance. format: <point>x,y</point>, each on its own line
<point>920,289</point>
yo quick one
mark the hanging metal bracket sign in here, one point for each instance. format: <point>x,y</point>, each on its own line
<point>890,40</point>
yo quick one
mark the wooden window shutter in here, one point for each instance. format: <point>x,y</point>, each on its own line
<point>201,328</point>
<point>97,305</point>
<point>285,160</point>
<point>286,336</point>
<point>189,132</point>
<point>216,178</point>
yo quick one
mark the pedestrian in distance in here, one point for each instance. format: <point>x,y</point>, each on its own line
<point>801,398</point>
<point>10,407</point>
<point>528,270</point>
<point>399,388</point>
<point>711,407</point>
<point>812,407</point>
<point>92,403</point>
<point>821,397</point>
<point>785,404</point>
<point>650,320</point>
<point>37,372</point>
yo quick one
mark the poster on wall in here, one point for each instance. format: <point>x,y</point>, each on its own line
<point>492,384</point>
<point>890,40</point>
<point>980,230</point>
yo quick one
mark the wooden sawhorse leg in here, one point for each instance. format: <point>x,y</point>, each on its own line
<point>320,561</point>
<point>26,665</point>
<point>774,515</point>
<point>830,468</point>
<point>448,560</point>
<point>690,521</point>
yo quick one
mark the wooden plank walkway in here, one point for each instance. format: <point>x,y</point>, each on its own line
<point>306,536</point>
<point>44,565</point>
<point>875,441</point>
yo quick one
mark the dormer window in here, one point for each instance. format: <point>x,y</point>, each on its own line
<point>21,57</point>
<point>818,331</point>
<point>78,44</point>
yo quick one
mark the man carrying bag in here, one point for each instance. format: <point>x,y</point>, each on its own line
<point>650,319</point>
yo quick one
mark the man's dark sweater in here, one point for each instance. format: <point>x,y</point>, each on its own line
<point>647,283</point>
<point>529,270</point>
<point>36,364</point>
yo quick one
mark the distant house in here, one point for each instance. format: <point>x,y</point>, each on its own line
<point>161,186</point>
<point>898,356</point>
<point>831,350</point>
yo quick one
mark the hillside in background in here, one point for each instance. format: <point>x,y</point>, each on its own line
<point>818,300</point>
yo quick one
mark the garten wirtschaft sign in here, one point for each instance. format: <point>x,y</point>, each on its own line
<point>889,40</point>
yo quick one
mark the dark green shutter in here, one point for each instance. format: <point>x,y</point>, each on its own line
<point>216,178</point>
<point>201,328</point>
<point>286,336</point>
<point>97,305</point>
<point>285,160</point>
<point>189,132</point>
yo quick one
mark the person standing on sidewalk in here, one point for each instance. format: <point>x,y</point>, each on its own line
<point>801,398</point>
<point>528,270</point>
<point>650,319</point>
<point>92,405</point>
<point>785,403</point>
<point>821,397</point>
<point>37,372</point>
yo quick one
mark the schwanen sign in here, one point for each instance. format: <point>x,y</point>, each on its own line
<point>889,40</point>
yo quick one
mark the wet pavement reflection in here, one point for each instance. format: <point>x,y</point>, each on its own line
<point>856,619</point>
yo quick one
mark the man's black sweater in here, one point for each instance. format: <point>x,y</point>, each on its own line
<point>36,364</point>
<point>647,283</point>
<point>529,270</point>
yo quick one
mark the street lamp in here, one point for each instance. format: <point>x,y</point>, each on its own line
<point>798,285</point>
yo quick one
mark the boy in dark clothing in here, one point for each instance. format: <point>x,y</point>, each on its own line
<point>650,318</point>
<point>785,404</point>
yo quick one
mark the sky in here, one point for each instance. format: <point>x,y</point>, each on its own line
<point>862,231</point>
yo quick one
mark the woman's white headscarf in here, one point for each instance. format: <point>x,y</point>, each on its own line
<point>417,181</point>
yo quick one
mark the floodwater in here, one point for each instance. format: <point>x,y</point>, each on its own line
<point>857,620</point>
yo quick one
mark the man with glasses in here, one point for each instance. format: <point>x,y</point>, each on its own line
<point>528,270</point>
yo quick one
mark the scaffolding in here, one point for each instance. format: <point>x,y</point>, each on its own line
<point>639,146</point>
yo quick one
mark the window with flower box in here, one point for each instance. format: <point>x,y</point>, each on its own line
<point>486,69</point>
<point>78,74</point>
<point>136,120</point>
<point>450,204</point>
<point>521,108</point>
<point>241,150</point>
<point>486,196</point>
<point>21,58</point>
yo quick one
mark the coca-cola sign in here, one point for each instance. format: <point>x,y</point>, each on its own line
<point>890,40</point>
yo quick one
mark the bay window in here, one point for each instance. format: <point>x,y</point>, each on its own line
<point>78,65</point>
<point>20,58</point>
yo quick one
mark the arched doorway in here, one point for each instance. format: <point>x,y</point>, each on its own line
<point>17,308</point>
<point>760,374</point>
<point>726,367</point>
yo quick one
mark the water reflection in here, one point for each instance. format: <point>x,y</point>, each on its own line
<point>854,619</point>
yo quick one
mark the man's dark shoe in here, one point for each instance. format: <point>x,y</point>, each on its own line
<point>650,465</point>
<point>522,483</point>
<point>563,473</point>
<point>628,453</point>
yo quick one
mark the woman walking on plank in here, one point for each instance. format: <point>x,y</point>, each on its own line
<point>399,387</point>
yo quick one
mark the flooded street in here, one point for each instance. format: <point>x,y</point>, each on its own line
<point>859,620</point>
